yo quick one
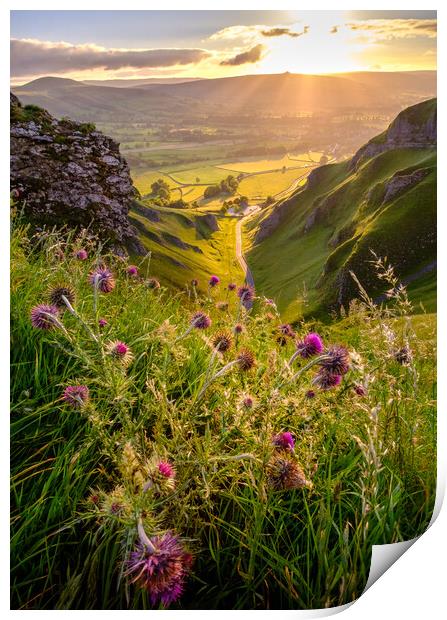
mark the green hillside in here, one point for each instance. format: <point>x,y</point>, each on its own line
<point>383,199</point>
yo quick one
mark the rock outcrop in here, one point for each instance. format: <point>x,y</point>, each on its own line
<point>408,130</point>
<point>68,174</point>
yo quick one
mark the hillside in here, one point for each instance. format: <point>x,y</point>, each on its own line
<point>280,93</point>
<point>383,199</point>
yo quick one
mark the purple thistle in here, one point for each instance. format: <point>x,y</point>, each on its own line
<point>102,278</point>
<point>360,390</point>
<point>286,330</point>
<point>310,394</point>
<point>326,380</point>
<point>200,320</point>
<point>231,286</point>
<point>82,254</point>
<point>120,351</point>
<point>76,395</point>
<point>284,441</point>
<point>166,469</point>
<point>44,316</point>
<point>214,281</point>
<point>246,294</point>
<point>311,345</point>
<point>132,271</point>
<point>160,565</point>
<point>238,328</point>
<point>336,360</point>
<point>102,323</point>
<point>248,402</point>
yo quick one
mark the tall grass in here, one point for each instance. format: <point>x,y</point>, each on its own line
<point>369,459</point>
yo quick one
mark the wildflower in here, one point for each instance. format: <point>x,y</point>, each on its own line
<point>310,345</point>
<point>214,281</point>
<point>102,279</point>
<point>246,294</point>
<point>81,254</point>
<point>200,320</point>
<point>326,380</point>
<point>55,295</point>
<point>336,360</point>
<point>269,302</point>
<point>153,283</point>
<point>284,473</point>
<point>160,565</point>
<point>231,286</point>
<point>222,305</point>
<point>132,271</point>
<point>45,317</point>
<point>246,360</point>
<point>403,356</point>
<point>284,441</point>
<point>248,402</point>
<point>76,395</point>
<point>222,341</point>
<point>286,330</point>
<point>269,316</point>
<point>310,394</point>
<point>360,390</point>
<point>238,328</point>
<point>120,351</point>
<point>166,469</point>
<point>102,323</point>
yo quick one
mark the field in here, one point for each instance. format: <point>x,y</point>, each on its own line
<point>144,180</point>
<point>265,495</point>
<point>201,174</point>
<point>269,184</point>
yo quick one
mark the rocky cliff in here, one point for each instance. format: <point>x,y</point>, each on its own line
<point>68,174</point>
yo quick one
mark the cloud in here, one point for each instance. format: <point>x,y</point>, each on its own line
<point>252,55</point>
<point>32,56</point>
<point>383,29</point>
<point>279,32</point>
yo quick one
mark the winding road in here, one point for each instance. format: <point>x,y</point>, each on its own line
<point>239,253</point>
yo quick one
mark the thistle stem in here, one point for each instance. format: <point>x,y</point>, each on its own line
<point>144,537</point>
<point>221,372</point>
<point>75,314</point>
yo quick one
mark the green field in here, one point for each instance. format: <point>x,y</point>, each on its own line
<point>201,174</point>
<point>270,183</point>
<point>258,165</point>
<point>143,180</point>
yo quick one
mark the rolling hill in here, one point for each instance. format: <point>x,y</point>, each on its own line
<point>267,94</point>
<point>382,199</point>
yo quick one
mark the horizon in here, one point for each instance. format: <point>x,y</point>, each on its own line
<point>126,45</point>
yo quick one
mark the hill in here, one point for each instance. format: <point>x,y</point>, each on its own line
<point>274,93</point>
<point>383,199</point>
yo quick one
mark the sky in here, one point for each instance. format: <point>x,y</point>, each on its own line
<point>210,44</point>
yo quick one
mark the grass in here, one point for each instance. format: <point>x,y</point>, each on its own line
<point>205,174</point>
<point>77,473</point>
<point>144,180</point>
<point>270,183</point>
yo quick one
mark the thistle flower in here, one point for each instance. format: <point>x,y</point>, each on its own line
<point>222,341</point>
<point>286,330</point>
<point>246,294</point>
<point>326,380</point>
<point>360,389</point>
<point>153,283</point>
<point>284,441</point>
<point>160,565</point>
<point>120,351</point>
<point>102,279</point>
<point>246,360</point>
<point>200,320</point>
<point>166,469</point>
<point>231,286</point>
<point>248,402</point>
<point>214,281</point>
<point>44,316</point>
<point>56,293</point>
<point>132,271</point>
<point>81,254</point>
<point>76,395</point>
<point>310,345</point>
<point>310,394</point>
<point>403,356</point>
<point>284,473</point>
<point>238,328</point>
<point>336,360</point>
<point>102,323</point>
